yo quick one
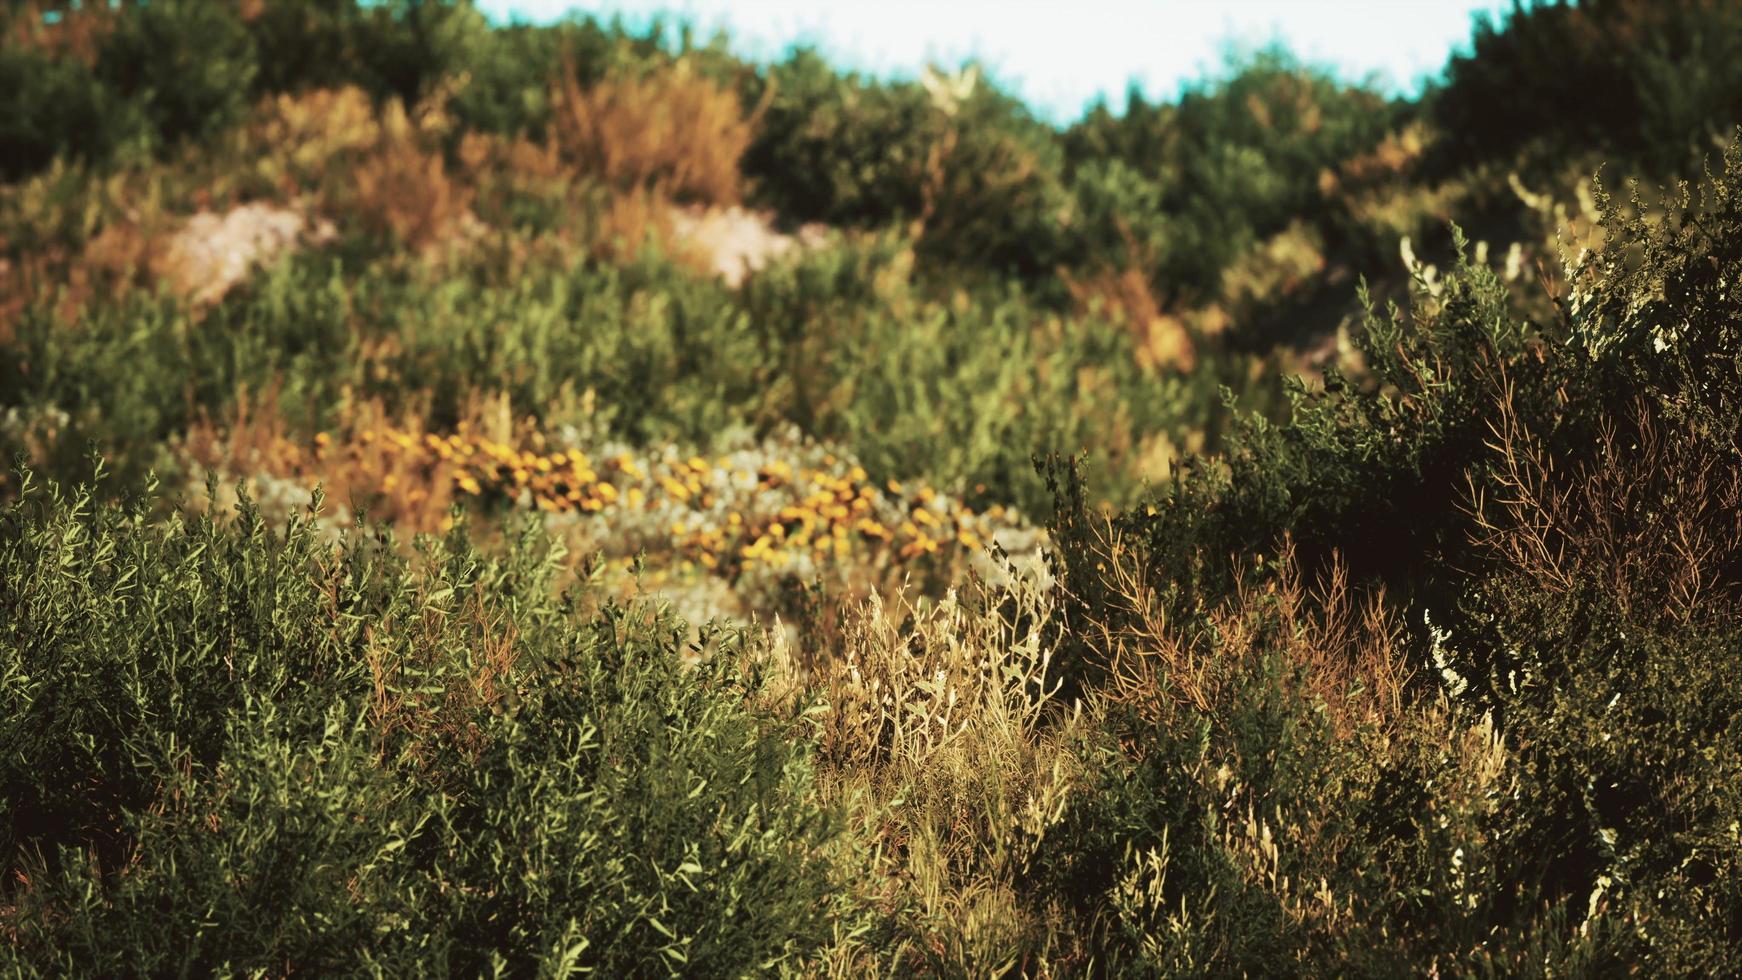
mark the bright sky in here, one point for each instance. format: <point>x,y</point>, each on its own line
<point>1061,54</point>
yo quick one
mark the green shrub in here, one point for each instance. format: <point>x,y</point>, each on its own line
<point>306,44</point>
<point>55,107</point>
<point>1556,506</point>
<point>134,372</point>
<point>1197,182</point>
<point>837,149</point>
<point>980,173</point>
<point>1652,83</point>
<point>190,66</point>
<point>1658,310</point>
<point>229,748</point>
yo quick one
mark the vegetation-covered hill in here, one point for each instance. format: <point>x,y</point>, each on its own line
<point>557,499</point>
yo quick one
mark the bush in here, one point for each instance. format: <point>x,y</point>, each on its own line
<point>1197,183</point>
<point>1558,510</point>
<point>1652,83</point>
<point>190,66</point>
<point>973,167</point>
<point>233,748</point>
<point>52,107</point>
<point>1657,309</point>
<point>668,128</point>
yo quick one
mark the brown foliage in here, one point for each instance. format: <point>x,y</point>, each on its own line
<point>76,31</point>
<point>1342,646</point>
<point>1160,339</point>
<point>1654,513</point>
<point>401,186</point>
<point>383,169</point>
<point>359,467</point>
<point>668,128</point>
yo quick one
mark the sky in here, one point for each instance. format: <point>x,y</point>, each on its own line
<point>1060,55</point>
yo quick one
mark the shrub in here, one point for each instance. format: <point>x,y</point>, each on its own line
<point>190,66</point>
<point>1651,82</point>
<point>837,149</point>
<point>51,107</point>
<point>668,127</point>
<point>1201,181</point>
<point>305,44</point>
<point>1657,308</point>
<point>943,735</point>
<point>233,748</point>
<point>973,167</point>
<point>1570,558</point>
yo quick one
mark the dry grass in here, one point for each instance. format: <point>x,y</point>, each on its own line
<point>667,128</point>
<point>942,736</point>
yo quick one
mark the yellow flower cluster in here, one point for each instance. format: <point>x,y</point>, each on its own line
<point>835,513</point>
<point>726,514</point>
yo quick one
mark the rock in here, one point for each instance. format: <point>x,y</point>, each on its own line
<point>737,241</point>
<point>209,254</point>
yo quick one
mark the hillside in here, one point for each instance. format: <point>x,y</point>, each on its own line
<point>553,500</point>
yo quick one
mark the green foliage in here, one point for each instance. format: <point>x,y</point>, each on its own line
<point>1425,666</point>
<point>966,390</point>
<point>133,373</point>
<point>1558,506</point>
<point>1195,183</point>
<point>51,107</point>
<point>979,172</point>
<point>842,344</point>
<point>234,749</point>
<point>396,49</point>
<point>1660,307</point>
<point>838,148</point>
<point>1652,82</point>
<point>189,65</point>
<point>409,45</point>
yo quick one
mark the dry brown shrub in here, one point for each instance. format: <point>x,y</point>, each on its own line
<point>383,168</point>
<point>298,135</point>
<point>1342,646</point>
<point>77,31</point>
<point>401,186</point>
<point>499,167</point>
<point>628,222</point>
<point>360,466</point>
<point>1654,513</point>
<point>1160,338</point>
<point>668,128</point>
<point>105,239</point>
<point>610,223</point>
